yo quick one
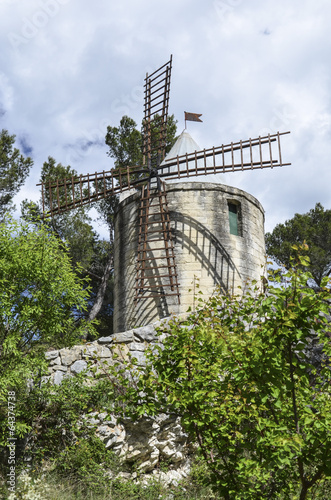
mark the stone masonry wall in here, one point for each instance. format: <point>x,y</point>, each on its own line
<point>145,443</point>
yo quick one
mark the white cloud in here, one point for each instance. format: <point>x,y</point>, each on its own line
<point>69,68</point>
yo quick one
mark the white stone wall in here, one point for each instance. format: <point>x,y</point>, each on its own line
<point>206,253</point>
<point>146,443</point>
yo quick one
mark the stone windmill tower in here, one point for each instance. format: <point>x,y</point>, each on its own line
<point>218,240</point>
<point>172,236</point>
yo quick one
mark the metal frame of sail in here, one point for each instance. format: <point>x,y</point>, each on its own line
<point>154,227</point>
<point>156,103</point>
<point>234,150</point>
<point>83,190</point>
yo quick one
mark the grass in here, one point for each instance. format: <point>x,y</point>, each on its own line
<point>55,487</point>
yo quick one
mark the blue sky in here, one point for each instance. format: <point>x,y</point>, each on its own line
<point>69,68</point>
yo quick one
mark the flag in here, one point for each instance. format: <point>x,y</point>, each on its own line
<point>193,117</point>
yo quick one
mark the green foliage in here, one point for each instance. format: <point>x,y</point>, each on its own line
<point>39,294</point>
<point>241,374</point>
<point>314,228</point>
<point>30,489</point>
<point>72,461</point>
<point>57,487</point>
<point>125,141</point>
<point>14,169</point>
<point>56,419</point>
<point>90,255</point>
<point>59,436</point>
<point>86,462</point>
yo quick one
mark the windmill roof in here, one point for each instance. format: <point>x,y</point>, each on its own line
<point>186,144</point>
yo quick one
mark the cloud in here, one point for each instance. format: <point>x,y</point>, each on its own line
<point>69,69</point>
<point>24,145</point>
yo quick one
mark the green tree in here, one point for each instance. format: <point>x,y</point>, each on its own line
<point>125,142</point>
<point>40,299</point>
<point>90,255</point>
<point>242,374</point>
<point>314,228</point>
<point>14,169</point>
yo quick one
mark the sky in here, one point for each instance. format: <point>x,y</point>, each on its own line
<point>69,68</point>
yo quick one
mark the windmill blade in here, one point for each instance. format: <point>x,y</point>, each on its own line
<point>156,89</point>
<point>66,194</point>
<point>156,271</point>
<point>261,152</point>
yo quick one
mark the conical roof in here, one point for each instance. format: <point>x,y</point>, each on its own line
<point>186,144</point>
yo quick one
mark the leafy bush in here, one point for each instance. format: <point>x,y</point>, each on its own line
<point>243,376</point>
<point>29,489</point>
<point>85,462</point>
<point>39,296</point>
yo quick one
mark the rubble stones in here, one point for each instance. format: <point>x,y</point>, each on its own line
<point>146,443</point>
<point>58,376</point>
<point>51,355</point>
<point>78,366</point>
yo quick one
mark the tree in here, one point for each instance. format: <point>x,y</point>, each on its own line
<point>314,228</point>
<point>14,169</point>
<point>40,299</point>
<point>241,375</point>
<point>90,255</point>
<point>125,142</point>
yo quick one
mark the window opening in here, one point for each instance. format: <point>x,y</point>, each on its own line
<point>234,218</point>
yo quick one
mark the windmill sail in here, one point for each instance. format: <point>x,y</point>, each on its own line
<point>157,90</point>
<point>156,272</point>
<point>261,152</point>
<point>251,154</point>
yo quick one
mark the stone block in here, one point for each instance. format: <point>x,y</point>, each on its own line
<point>51,355</point>
<point>59,367</point>
<point>90,350</point>
<point>146,333</point>
<point>105,340</point>
<point>123,337</point>
<point>56,361</point>
<point>68,356</point>
<point>78,366</point>
<point>140,357</point>
<point>58,377</point>
<point>105,352</point>
<point>137,346</point>
<point>120,352</point>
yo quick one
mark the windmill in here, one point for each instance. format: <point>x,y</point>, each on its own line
<point>154,217</point>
